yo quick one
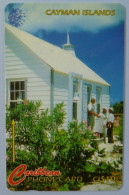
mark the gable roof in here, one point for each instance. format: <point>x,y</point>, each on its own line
<point>57,58</point>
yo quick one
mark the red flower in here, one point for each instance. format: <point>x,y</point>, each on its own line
<point>25,102</point>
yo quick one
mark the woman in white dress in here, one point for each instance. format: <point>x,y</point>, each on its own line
<point>100,125</point>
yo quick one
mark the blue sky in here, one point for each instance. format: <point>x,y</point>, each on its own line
<point>98,40</point>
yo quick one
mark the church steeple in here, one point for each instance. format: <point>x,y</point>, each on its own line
<point>69,47</point>
<point>68,41</point>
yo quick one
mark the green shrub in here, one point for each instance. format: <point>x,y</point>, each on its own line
<point>120,135</point>
<point>41,141</point>
<point>118,107</point>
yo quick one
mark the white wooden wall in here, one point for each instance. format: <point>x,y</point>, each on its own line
<point>61,92</point>
<point>21,63</point>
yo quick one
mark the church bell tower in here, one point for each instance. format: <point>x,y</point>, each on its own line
<point>69,47</point>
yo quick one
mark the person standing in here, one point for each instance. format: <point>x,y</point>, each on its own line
<point>110,122</point>
<point>91,114</point>
<point>103,122</point>
<point>100,125</point>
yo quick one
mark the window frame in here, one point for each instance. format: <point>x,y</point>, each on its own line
<point>9,90</point>
<point>90,92</point>
<point>75,82</point>
<point>76,113</point>
<point>100,89</point>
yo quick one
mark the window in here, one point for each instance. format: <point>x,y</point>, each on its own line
<point>75,98</point>
<point>74,110</point>
<point>17,92</point>
<point>98,100</point>
<point>88,94</point>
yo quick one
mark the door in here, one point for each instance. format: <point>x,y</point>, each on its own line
<point>84,103</point>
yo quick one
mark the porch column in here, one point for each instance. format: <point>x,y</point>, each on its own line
<point>70,103</point>
<point>80,102</point>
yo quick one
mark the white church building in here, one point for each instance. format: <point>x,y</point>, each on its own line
<point>38,70</point>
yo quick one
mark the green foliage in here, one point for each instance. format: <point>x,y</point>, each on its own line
<point>41,141</point>
<point>118,107</point>
<point>117,149</point>
<point>90,168</point>
<point>118,130</point>
<point>120,135</point>
<point>31,132</point>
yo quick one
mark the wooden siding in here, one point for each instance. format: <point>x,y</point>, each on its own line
<point>61,92</point>
<point>21,63</point>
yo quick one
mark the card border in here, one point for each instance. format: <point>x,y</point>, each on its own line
<point>3,187</point>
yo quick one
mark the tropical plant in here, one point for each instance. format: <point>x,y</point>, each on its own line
<point>118,107</point>
<point>41,141</point>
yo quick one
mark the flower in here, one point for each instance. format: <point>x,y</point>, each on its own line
<point>85,123</point>
<point>25,102</point>
<point>54,153</point>
<point>116,121</point>
<point>117,124</point>
<point>89,127</point>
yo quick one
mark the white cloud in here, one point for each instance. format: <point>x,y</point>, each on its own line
<point>36,18</point>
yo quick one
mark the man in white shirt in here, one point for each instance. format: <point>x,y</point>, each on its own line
<point>91,114</point>
<point>110,122</point>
